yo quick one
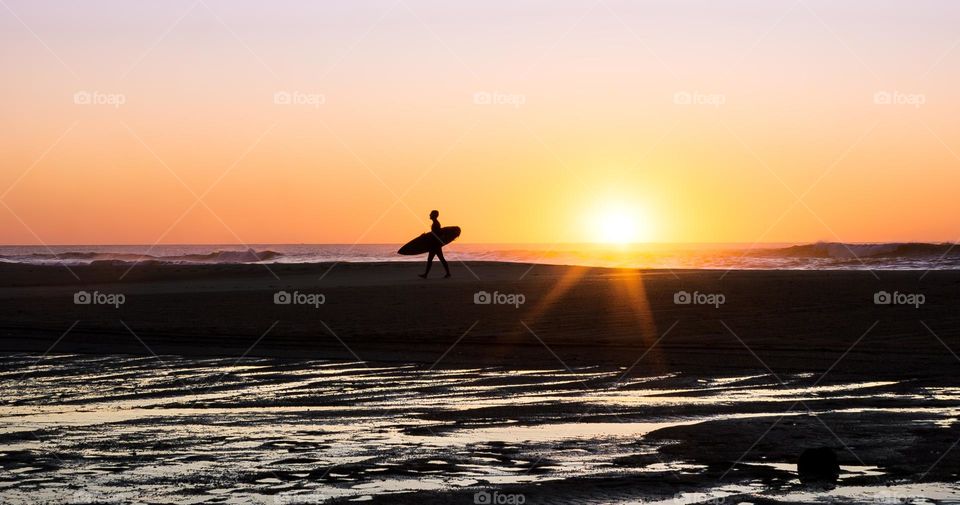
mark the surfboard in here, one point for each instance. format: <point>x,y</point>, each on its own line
<point>424,242</point>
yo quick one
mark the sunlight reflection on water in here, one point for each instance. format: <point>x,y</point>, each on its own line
<point>204,430</point>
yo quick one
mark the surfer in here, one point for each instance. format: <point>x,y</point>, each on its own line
<point>436,249</point>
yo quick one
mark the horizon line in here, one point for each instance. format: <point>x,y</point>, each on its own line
<point>587,243</point>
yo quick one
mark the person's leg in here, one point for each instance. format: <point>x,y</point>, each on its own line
<point>429,262</point>
<point>443,262</point>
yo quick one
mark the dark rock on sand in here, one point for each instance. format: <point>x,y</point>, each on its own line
<point>818,466</point>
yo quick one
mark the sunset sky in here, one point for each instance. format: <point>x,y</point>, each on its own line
<point>138,122</point>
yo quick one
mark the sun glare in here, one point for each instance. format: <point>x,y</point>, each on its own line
<point>619,224</point>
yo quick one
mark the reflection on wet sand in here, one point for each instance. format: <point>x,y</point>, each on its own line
<point>116,429</point>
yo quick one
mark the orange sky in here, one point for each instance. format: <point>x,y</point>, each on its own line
<point>528,122</point>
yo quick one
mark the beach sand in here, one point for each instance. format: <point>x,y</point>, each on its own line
<point>598,388</point>
<point>790,320</point>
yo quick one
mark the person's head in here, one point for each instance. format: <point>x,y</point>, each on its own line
<point>434,214</point>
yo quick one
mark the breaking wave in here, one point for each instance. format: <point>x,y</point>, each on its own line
<point>86,257</point>
<point>841,251</point>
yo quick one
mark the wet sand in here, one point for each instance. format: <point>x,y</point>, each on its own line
<point>791,321</point>
<point>599,388</point>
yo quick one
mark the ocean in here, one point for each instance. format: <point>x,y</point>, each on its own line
<point>814,256</point>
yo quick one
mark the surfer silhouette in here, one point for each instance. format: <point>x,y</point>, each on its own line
<point>432,243</point>
<point>436,247</point>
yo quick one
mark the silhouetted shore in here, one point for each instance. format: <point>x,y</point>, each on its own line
<point>797,321</point>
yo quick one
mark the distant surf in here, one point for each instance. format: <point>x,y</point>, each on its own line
<point>839,250</point>
<point>87,257</point>
<point>814,256</point>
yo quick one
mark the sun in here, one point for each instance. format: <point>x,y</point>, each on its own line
<point>619,224</point>
<point>616,228</point>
